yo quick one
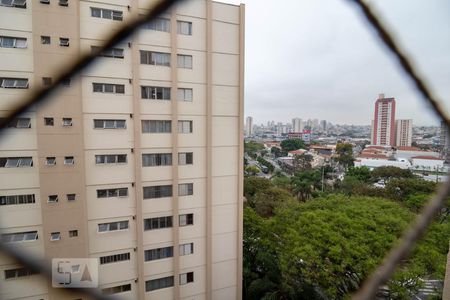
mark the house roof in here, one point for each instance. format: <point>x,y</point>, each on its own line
<point>298,151</point>
<point>408,148</point>
<point>426,157</point>
<point>369,155</point>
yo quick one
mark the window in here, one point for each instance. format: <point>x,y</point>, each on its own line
<point>159,253</point>
<point>13,42</point>
<point>19,272</point>
<point>69,160</point>
<point>19,123</point>
<point>184,27</point>
<point>113,226</point>
<point>158,223</point>
<point>55,236</point>
<point>116,289</point>
<point>186,249</point>
<point>106,14</point>
<point>184,94</point>
<point>14,83</point>
<point>112,52</point>
<point>185,189</point>
<point>19,237</point>
<point>14,3</point>
<point>67,122</point>
<point>46,81</point>
<point>107,193</point>
<point>50,161</point>
<point>45,1</point>
<point>109,124</point>
<point>52,199</point>
<point>187,219</point>
<point>71,197</point>
<point>184,61</point>
<point>184,126</point>
<point>64,42</point>
<point>114,258</point>
<point>108,88</point>
<point>158,24</point>
<point>154,92</point>
<point>185,158</point>
<point>156,126</point>
<point>49,121</point>
<point>158,191</point>
<point>45,40</point>
<point>73,233</point>
<point>64,2</point>
<point>156,159</point>
<point>16,162</point>
<point>186,278</point>
<point>65,82</point>
<point>111,159</point>
<point>155,58</point>
<point>160,283</point>
<point>17,199</point>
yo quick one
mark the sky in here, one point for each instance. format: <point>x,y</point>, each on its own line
<point>319,59</point>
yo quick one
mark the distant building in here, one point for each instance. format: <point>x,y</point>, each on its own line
<point>404,132</point>
<point>249,126</point>
<point>383,126</point>
<point>305,135</point>
<point>297,125</point>
<point>323,125</point>
<point>444,142</point>
<point>429,163</point>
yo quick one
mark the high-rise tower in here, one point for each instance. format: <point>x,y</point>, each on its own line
<point>383,126</point>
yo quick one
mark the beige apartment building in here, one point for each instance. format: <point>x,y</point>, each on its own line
<point>137,161</point>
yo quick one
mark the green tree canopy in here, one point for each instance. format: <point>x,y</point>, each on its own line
<point>389,172</point>
<point>266,201</point>
<point>252,185</point>
<point>304,182</point>
<point>345,154</point>
<point>292,144</point>
<point>360,173</point>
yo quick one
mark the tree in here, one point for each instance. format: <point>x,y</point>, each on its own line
<point>276,151</point>
<point>303,161</point>
<point>251,148</point>
<point>264,202</point>
<point>282,181</point>
<point>401,189</point>
<point>252,170</point>
<point>360,173</point>
<point>345,154</point>
<point>252,185</point>
<point>292,144</point>
<point>389,172</point>
<point>304,183</point>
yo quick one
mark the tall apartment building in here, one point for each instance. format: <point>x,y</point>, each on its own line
<point>444,142</point>
<point>383,124</point>
<point>249,126</point>
<point>403,132</point>
<point>137,161</point>
<point>297,125</point>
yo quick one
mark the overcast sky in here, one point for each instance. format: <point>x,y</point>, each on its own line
<point>319,59</point>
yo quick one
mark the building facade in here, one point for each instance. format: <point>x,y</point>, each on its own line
<point>403,133</point>
<point>297,125</point>
<point>383,125</point>
<point>137,161</point>
<point>249,126</point>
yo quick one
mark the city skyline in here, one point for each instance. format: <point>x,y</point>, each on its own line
<point>334,69</point>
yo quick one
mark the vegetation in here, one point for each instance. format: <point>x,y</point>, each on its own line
<point>345,154</point>
<point>323,245</point>
<point>252,170</point>
<point>251,148</point>
<point>291,145</point>
<point>264,162</point>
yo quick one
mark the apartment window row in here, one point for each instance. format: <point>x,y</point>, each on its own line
<point>164,126</point>
<point>112,52</point>
<point>165,282</point>
<point>109,124</point>
<point>47,40</point>
<point>161,191</point>
<point>166,222</point>
<point>14,3</point>
<point>163,93</point>
<point>104,13</point>
<point>60,2</point>
<point>113,226</point>
<point>165,159</point>
<point>163,59</point>
<point>111,159</point>
<point>117,289</point>
<point>19,272</point>
<point>49,121</point>
<point>51,160</point>
<point>167,252</point>
<point>19,123</point>
<point>114,258</point>
<point>163,24</point>
<point>56,236</point>
<point>14,83</point>
<point>55,198</point>
<point>17,237</point>
<point>16,162</point>
<point>13,42</point>
<point>108,88</point>
<point>159,253</point>
<point>108,193</point>
<point>17,199</point>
